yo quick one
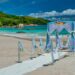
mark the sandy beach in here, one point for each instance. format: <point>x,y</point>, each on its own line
<point>66,66</point>
<point>9,50</point>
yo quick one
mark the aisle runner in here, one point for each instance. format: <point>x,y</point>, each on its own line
<point>29,65</point>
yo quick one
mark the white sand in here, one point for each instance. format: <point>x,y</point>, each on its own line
<point>65,66</point>
<point>9,48</point>
<point>29,65</point>
<point>8,56</point>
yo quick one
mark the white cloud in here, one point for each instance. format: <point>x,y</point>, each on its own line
<point>53,13</point>
<point>44,14</point>
<point>2,1</point>
<point>69,12</point>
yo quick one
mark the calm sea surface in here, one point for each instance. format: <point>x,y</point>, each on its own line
<point>41,29</point>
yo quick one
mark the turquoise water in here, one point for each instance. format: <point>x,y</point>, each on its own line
<point>42,29</point>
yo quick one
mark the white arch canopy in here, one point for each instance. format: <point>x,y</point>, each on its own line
<point>62,28</point>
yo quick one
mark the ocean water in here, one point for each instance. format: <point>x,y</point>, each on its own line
<point>41,30</point>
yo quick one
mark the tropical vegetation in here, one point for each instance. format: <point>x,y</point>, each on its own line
<point>13,20</point>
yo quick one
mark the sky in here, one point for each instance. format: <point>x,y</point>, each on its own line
<point>38,7</point>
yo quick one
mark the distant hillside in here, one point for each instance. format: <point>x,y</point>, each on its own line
<point>12,20</point>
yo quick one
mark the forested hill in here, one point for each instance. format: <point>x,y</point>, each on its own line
<point>13,20</point>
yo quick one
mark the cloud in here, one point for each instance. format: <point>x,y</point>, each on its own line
<point>2,1</point>
<point>68,12</point>
<point>53,13</point>
<point>44,14</point>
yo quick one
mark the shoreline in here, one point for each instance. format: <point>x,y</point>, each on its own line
<point>23,36</point>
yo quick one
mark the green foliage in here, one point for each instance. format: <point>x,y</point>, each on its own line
<point>0,24</point>
<point>12,20</point>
